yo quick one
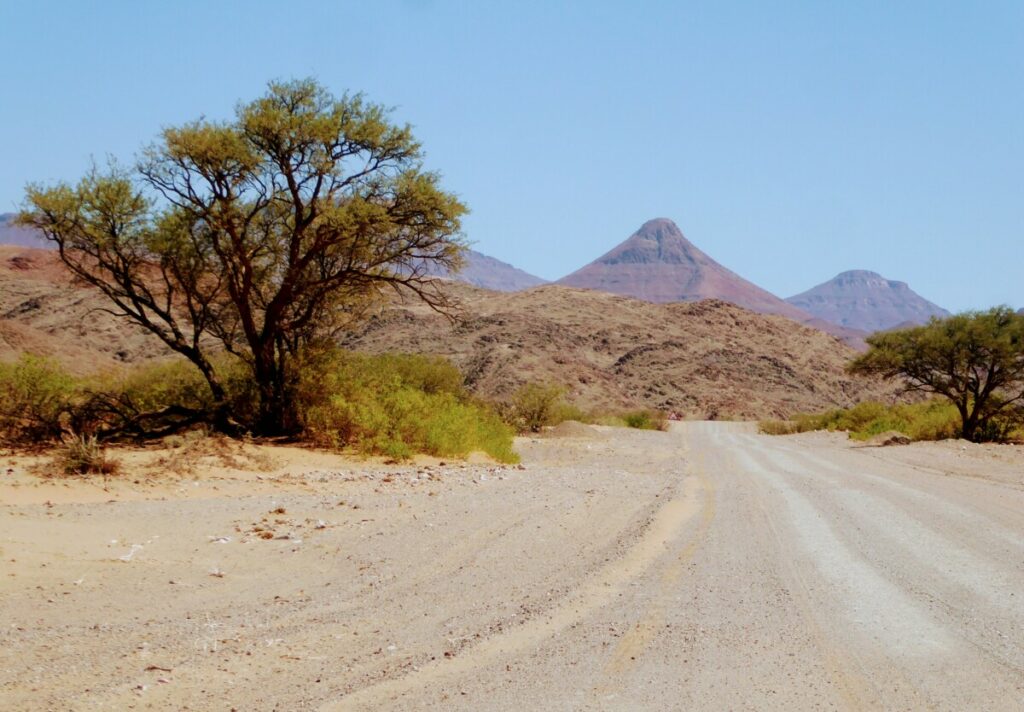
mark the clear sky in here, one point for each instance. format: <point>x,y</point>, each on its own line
<point>789,140</point>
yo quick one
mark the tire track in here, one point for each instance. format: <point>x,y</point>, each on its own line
<point>601,590</point>
<point>643,632</point>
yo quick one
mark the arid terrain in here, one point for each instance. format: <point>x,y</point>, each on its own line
<point>703,568</point>
<point>43,312</point>
<point>704,359</point>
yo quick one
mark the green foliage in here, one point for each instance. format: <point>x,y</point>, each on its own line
<point>974,359</point>
<point>777,427</point>
<point>155,386</point>
<point>159,398</point>
<point>646,420</point>
<point>395,405</point>
<point>535,405</point>
<point>83,455</point>
<point>261,235</point>
<point>936,419</point>
<point>35,393</point>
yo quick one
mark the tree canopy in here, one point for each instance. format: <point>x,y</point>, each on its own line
<point>975,359</point>
<point>261,235</point>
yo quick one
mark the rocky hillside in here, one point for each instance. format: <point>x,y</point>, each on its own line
<point>707,359</point>
<point>867,301</point>
<point>658,264</point>
<point>704,359</point>
<point>43,312</point>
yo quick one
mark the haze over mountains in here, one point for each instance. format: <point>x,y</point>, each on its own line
<point>487,272</point>
<point>865,300</point>
<point>10,234</point>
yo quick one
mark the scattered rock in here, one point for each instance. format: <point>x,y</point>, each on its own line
<point>891,437</point>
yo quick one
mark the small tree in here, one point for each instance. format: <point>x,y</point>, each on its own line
<point>975,359</point>
<point>259,235</point>
<point>534,405</point>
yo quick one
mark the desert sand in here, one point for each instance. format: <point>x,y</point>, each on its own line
<point>703,568</point>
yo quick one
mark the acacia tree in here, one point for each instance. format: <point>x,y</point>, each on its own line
<point>975,359</point>
<point>260,235</point>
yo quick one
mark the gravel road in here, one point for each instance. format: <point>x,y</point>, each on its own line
<point>704,568</point>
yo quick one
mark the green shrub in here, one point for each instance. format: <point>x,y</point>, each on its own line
<point>153,386</point>
<point>396,406</point>
<point>535,405</point>
<point>935,419</point>
<point>646,420</point>
<point>777,427</point>
<point>430,374</point>
<point>563,411</point>
<point>154,398</point>
<point>35,392</point>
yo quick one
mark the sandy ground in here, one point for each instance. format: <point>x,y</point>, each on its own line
<point>704,568</point>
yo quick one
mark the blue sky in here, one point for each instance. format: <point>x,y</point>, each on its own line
<point>789,140</point>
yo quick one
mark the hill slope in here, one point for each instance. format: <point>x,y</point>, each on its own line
<point>706,359</point>
<point>43,312</point>
<point>658,264</point>
<point>865,300</point>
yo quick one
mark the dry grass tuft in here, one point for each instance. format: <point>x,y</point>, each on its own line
<point>83,455</point>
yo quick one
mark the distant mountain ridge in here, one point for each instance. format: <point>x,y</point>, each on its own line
<point>480,270</point>
<point>658,264</point>
<point>487,272</point>
<point>11,234</point>
<point>864,300</point>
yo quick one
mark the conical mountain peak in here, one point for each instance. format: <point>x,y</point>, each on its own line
<point>660,229</point>
<point>658,264</point>
<point>657,241</point>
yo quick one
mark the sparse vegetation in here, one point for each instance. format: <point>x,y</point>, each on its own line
<point>84,455</point>
<point>975,360</point>
<point>34,393</point>
<point>535,405</point>
<point>646,420</point>
<point>396,405</point>
<point>935,419</point>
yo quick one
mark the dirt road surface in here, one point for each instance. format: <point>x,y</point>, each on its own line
<point>704,568</point>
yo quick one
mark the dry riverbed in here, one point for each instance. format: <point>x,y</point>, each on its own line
<point>707,567</point>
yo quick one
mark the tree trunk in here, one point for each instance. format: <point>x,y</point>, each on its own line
<point>970,426</point>
<point>966,425</point>
<point>274,416</point>
<point>270,418</point>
